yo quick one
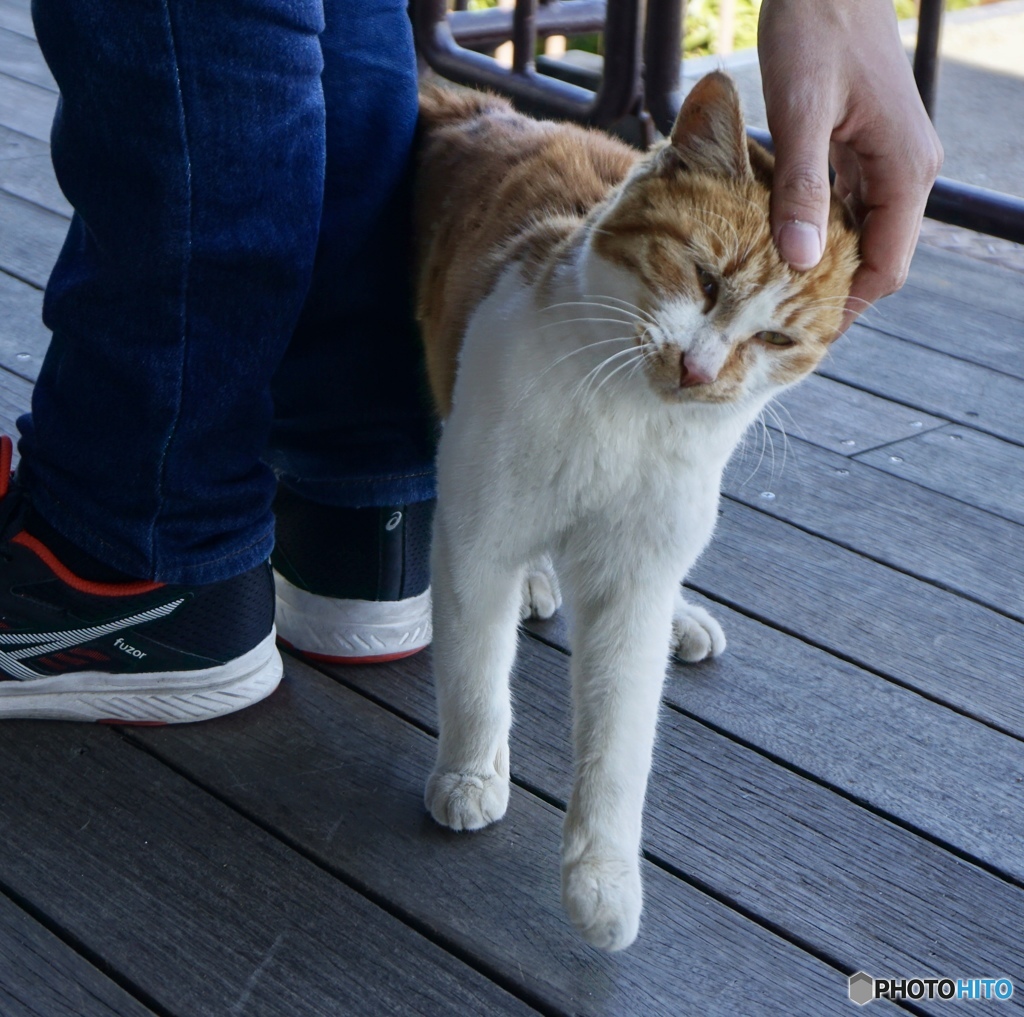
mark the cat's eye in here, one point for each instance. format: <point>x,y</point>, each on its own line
<point>775,339</point>
<point>708,286</point>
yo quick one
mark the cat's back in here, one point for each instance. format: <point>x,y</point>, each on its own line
<point>493,186</point>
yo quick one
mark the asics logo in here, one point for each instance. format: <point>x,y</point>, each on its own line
<point>35,644</point>
<point>393,521</point>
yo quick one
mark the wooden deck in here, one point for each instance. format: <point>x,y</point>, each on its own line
<point>843,790</point>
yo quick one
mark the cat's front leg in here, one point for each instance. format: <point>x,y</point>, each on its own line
<point>696,635</point>
<point>620,652</point>
<point>476,613</point>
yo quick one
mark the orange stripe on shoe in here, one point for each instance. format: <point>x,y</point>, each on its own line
<point>65,574</point>
<point>326,658</point>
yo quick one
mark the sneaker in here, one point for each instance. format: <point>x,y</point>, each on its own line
<point>124,653</point>
<point>353,585</point>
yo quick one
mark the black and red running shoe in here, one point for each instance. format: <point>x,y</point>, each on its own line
<point>137,652</point>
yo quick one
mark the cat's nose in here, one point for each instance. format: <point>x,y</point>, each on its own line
<point>692,373</point>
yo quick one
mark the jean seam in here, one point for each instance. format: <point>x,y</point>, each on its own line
<point>161,478</point>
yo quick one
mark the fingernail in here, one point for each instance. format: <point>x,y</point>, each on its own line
<point>800,244</point>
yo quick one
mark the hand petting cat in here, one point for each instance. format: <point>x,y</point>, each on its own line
<point>838,84</point>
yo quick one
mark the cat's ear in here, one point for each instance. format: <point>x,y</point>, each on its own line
<point>708,135</point>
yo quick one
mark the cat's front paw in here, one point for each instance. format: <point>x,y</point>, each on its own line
<point>695,633</point>
<point>466,801</point>
<point>603,899</point>
<point>542,596</point>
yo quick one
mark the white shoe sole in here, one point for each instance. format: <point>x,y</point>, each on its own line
<point>351,631</point>
<point>175,697</point>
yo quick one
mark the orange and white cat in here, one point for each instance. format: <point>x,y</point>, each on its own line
<point>601,328</point>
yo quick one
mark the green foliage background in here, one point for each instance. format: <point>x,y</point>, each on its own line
<point>701,31</point>
<point>702,22</point>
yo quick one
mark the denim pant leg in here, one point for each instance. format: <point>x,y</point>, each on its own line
<point>190,140</point>
<point>353,422</point>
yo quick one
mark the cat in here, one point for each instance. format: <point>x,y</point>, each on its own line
<point>601,326</point>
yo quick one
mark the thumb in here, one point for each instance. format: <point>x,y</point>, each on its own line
<point>800,189</point>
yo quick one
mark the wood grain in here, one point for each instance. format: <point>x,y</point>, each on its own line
<point>42,977</point>
<point>23,336</point>
<point>820,868</point>
<point>837,417</point>
<point>900,524</point>
<point>197,907</point>
<point>20,58</point>
<point>929,381</point>
<point>332,772</point>
<point>30,240</point>
<point>26,108</point>
<point>964,464</point>
<point>975,284</point>
<point>16,16</point>
<point>26,172</point>
<point>955,651</point>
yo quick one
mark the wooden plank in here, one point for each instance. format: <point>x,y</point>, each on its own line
<point>828,872</point>
<point>26,108</point>
<point>15,399</point>
<point>23,336</point>
<point>840,418</point>
<point>193,905</point>
<point>948,648</point>
<point>962,463</point>
<point>972,282</point>
<point>929,381</point>
<point>26,171</point>
<point>16,16</point>
<point>875,741</point>
<point>929,535</point>
<point>42,977</point>
<point>20,58</point>
<point>335,774</point>
<point>971,333</point>
<point>30,240</point>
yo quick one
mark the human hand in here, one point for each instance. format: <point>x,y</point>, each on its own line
<point>838,84</point>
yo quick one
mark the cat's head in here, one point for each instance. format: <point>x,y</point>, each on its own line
<point>687,240</point>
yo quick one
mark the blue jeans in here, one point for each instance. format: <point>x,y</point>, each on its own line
<point>233,299</point>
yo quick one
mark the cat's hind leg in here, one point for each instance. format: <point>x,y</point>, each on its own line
<point>542,596</point>
<point>476,613</point>
<point>696,634</point>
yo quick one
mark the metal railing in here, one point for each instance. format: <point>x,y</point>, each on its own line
<point>639,88</point>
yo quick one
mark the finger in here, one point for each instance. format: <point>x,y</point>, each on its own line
<point>800,187</point>
<point>888,238</point>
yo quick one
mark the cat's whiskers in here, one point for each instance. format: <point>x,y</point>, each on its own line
<point>775,407</point>
<point>627,305</point>
<point>611,374</point>
<point>582,349</point>
<point>635,313</point>
<point>591,375</point>
<point>565,356</point>
<point>770,410</point>
<point>572,321</point>
<point>760,459</point>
